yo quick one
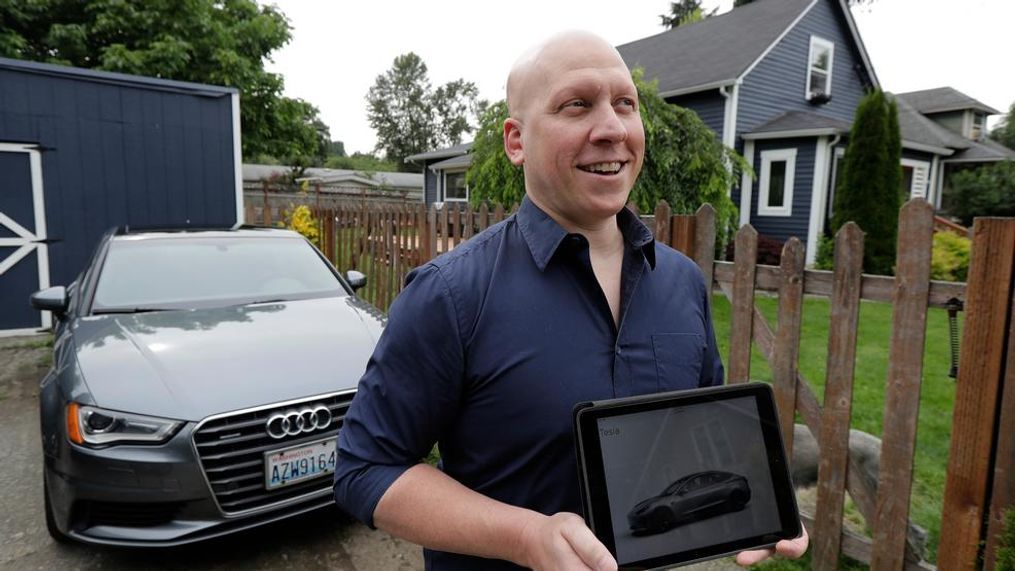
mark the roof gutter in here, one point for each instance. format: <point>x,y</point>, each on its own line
<point>729,124</point>
<point>824,132</point>
<point>927,148</point>
<point>695,89</point>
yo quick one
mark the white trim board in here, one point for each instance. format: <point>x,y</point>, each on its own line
<point>746,184</point>
<point>28,242</point>
<point>819,198</point>
<point>238,159</point>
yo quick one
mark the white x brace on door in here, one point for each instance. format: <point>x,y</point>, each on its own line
<point>24,241</point>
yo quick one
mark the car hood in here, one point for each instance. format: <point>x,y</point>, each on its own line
<point>188,365</point>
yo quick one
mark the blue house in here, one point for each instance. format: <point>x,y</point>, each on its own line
<point>779,81</point>
<point>82,151</point>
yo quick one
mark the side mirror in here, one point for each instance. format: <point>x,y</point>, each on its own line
<point>356,279</point>
<point>51,299</point>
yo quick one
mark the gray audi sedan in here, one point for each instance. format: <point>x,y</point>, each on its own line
<point>199,381</point>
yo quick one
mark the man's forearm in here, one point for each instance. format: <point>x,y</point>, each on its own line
<point>427,507</point>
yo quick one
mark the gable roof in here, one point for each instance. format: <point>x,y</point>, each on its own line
<point>985,151</point>
<point>255,172</point>
<point>915,128</point>
<point>722,49</point>
<point>942,99</point>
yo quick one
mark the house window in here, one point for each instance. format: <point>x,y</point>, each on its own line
<point>775,186</point>
<point>455,188</point>
<point>819,70</point>
<point>977,134</point>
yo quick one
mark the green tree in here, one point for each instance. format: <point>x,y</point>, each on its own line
<point>868,191</point>
<point>982,191</point>
<point>336,149</point>
<point>685,12</point>
<point>685,164</point>
<point>206,41</point>
<point>411,117</point>
<point>1004,132</point>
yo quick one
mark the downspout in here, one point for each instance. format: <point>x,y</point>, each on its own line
<point>729,124</point>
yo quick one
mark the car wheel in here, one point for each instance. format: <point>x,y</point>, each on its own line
<point>51,526</point>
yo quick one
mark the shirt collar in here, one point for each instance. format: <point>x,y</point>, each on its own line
<point>544,236</point>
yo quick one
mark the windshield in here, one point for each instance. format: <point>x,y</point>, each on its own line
<point>204,272</point>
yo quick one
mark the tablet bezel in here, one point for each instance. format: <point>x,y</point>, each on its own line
<point>594,496</point>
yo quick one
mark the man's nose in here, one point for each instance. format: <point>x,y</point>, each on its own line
<point>608,127</point>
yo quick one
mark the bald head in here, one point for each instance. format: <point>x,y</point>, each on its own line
<point>560,53</point>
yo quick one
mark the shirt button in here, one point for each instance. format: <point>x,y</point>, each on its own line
<point>618,351</point>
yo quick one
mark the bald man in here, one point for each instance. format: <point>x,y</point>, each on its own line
<point>489,346</point>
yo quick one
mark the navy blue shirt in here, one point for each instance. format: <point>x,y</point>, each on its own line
<point>489,347</point>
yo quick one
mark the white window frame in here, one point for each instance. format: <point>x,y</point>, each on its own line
<point>823,43</point>
<point>444,186</point>
<point>767,158</point>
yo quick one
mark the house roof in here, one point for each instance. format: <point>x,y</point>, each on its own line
<point>720,50</point>
<point>461,161</point>
<point>985,151</point>
<point>942,99</point>
<point>918,129</point>
<point>798,123</point>
<point>253,172</point>
<point>451,151</point>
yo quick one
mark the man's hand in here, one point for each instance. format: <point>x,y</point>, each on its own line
<point>792,548</point>
<point>563,541</point>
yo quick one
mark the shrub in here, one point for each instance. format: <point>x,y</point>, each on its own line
<point>769,251</point>
<point>1005,560</point>
<point>868,191</point>
<point>950,257</point>
<point>301,219</point>
<point>983,191</point>
<point>825,258</point>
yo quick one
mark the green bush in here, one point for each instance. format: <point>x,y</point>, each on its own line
<point>950,257</point>
<point>1005,560</point>
<point>825,258</point>
<point>983,191</point>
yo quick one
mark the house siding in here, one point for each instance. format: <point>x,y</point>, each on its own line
<point>777,84</point>
<point>709,105</point>
<point>120,154</point>
<point>783,227</point>
<point>952,120</point>
<point>429,184</point>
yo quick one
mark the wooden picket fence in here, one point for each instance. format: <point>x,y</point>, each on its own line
<point>385,241</point>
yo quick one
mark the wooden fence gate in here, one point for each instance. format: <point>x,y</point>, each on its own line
<point>385,241</point>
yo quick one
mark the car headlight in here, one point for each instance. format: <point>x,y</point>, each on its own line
<point>89,425</point>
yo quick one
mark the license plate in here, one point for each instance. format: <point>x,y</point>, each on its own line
<point>298,463</point>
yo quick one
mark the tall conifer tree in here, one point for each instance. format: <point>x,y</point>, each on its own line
<point>869,189</point>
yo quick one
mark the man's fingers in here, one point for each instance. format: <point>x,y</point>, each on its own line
<point>588,547</point>
<point>793,548</point>
<point>746,558</point>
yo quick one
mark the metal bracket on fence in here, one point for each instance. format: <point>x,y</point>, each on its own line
<point>954,306</point>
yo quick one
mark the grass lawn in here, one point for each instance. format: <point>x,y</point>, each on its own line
<point>937,393</point>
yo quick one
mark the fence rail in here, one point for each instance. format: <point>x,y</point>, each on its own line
<point>385,241</point>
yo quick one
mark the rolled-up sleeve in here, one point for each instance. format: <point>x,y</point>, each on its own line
<point>406,398</point>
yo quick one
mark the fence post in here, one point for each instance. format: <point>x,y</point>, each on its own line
<point>905,369</point>
<point>741,321</point>
<point>834,443</point>
<point>1003,494</point>
<point>787,338</point>
<point>662,222</point>
<point>988,305</point>
<point>704,241</point>
<point>431,233</point>
<point>484,217</point>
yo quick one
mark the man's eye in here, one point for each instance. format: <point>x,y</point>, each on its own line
<point>576,103</point>
<point>627,101</point>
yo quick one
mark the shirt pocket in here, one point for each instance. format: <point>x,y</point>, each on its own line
<point>678,359</point>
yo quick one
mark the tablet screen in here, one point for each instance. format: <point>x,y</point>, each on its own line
<point>690,479</point>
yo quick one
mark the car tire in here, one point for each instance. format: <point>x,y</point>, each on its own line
<point>54,531</point>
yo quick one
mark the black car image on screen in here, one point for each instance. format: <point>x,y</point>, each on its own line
<point>694,497</point>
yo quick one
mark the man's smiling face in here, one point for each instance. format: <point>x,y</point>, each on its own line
<point>576,128</point>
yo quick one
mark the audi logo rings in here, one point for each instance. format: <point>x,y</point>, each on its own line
<point>295,422</point>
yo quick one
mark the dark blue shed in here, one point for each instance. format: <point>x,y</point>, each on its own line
<point>82,151</point>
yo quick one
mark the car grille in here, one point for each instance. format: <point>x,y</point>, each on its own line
<point>232,447</point>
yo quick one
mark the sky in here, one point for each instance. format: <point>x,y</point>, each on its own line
<point>339,48</point>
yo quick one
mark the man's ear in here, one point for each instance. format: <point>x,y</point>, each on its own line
<point>513,141</point>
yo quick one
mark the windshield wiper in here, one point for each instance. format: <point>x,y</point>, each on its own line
<point>129,310</point>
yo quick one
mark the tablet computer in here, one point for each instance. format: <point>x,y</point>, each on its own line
<point>674,478</point>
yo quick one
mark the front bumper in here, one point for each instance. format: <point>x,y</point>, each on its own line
<point>161,496</point>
